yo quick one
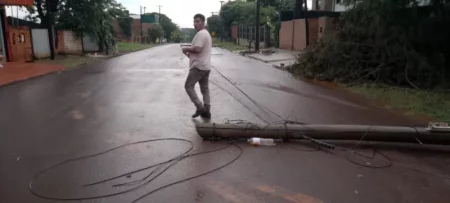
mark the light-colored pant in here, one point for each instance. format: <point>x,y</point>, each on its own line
<point>202,77</point>
<point>114,49</point>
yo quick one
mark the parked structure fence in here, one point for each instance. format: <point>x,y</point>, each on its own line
<point>293,33</point>
<point>68,43</point>
<point>41,47</point>
<point>246,35</point>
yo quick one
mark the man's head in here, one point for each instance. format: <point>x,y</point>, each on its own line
<point>199,22</point>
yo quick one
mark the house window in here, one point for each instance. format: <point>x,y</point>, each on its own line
<point>338,1</point>
<point>22,38</point>
<point>320,29</point>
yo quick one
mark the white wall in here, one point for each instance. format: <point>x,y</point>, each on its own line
<point>41,46</point>
<point>72,44</point>
<point>2,45</point>
<point>90,44</point>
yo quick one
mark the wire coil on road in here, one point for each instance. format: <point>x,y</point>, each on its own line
<point>160,168</point>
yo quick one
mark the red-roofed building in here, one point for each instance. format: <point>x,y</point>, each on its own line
<point>17,2</point>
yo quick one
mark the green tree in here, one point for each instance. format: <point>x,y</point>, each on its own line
<point>395,42</point>
<point>90,17</point>
<point>155,32</point>
<point>167,25</point>
<point>188,33</point>
<point>214,24</point>
<point>248,15</point>
<point>244,13</point>
<point>84,17</point>
<point>286,5</point>
<point>177,36</point>
<point>271,3</point>
<point>39,11</point>
<point>278,4</point>
<point>125,25</point>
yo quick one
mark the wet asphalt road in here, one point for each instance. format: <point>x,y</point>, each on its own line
<point>141,96</point>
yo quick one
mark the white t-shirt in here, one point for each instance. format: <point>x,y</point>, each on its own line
<point>201,60</point>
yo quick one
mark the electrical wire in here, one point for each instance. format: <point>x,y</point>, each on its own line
<point>193,177</point>
<point>368,164</point>
<point>374,153</point>
<point>316,148</point>
<point>161,168</point>
<point>385,157</point>
<point>352,150</point>
<point>246,95</point>
<point>282,121</point>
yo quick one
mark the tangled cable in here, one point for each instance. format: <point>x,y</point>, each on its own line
<point>160,168</point>
<point>363,162</point>
<point>373,157</point>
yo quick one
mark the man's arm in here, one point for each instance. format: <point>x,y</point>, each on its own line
<point>197,44</point>
<point>193,49</point>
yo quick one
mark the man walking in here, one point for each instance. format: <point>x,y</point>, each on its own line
<point>114,46</point>
<point>199,54</point>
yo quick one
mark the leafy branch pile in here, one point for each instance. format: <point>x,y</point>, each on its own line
<point>394,42</point>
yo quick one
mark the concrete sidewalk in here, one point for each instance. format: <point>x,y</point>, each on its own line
<point>277,57</point>
<point>17,71</point>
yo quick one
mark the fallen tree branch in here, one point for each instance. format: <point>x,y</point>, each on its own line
<point>407,79</point>
<point>370,73</point>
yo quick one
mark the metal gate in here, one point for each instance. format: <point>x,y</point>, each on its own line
<point>247,36</point>
<point>41,45</point>
<point>90,44</point>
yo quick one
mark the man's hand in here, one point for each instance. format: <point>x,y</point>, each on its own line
<point>186,50</point>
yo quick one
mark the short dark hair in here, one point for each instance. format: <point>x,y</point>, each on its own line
<point>202,17</point>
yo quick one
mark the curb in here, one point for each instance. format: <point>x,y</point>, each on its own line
<point>67,69</point>
<point>256,58</point>
<point>30,78</point>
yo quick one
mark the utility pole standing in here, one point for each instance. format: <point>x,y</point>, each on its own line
<point>140,17</point>
<point>258,8</point>
<point>159,13</point>
<point>306,23</point>
<point>221,27</point>
<point>159,19</point>
<point>298,10</point>
<point>52,8</point>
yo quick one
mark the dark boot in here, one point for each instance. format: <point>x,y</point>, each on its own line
<point>199,112</point>
<point>207,112</point>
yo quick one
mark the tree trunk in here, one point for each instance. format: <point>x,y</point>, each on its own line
<point>306,23</point>
<point>56,38</point>
<point>298,10</point>
<point>101,44</point>
<point>41,14</point>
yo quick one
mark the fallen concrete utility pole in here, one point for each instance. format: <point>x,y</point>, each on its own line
<point>328,132</point>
